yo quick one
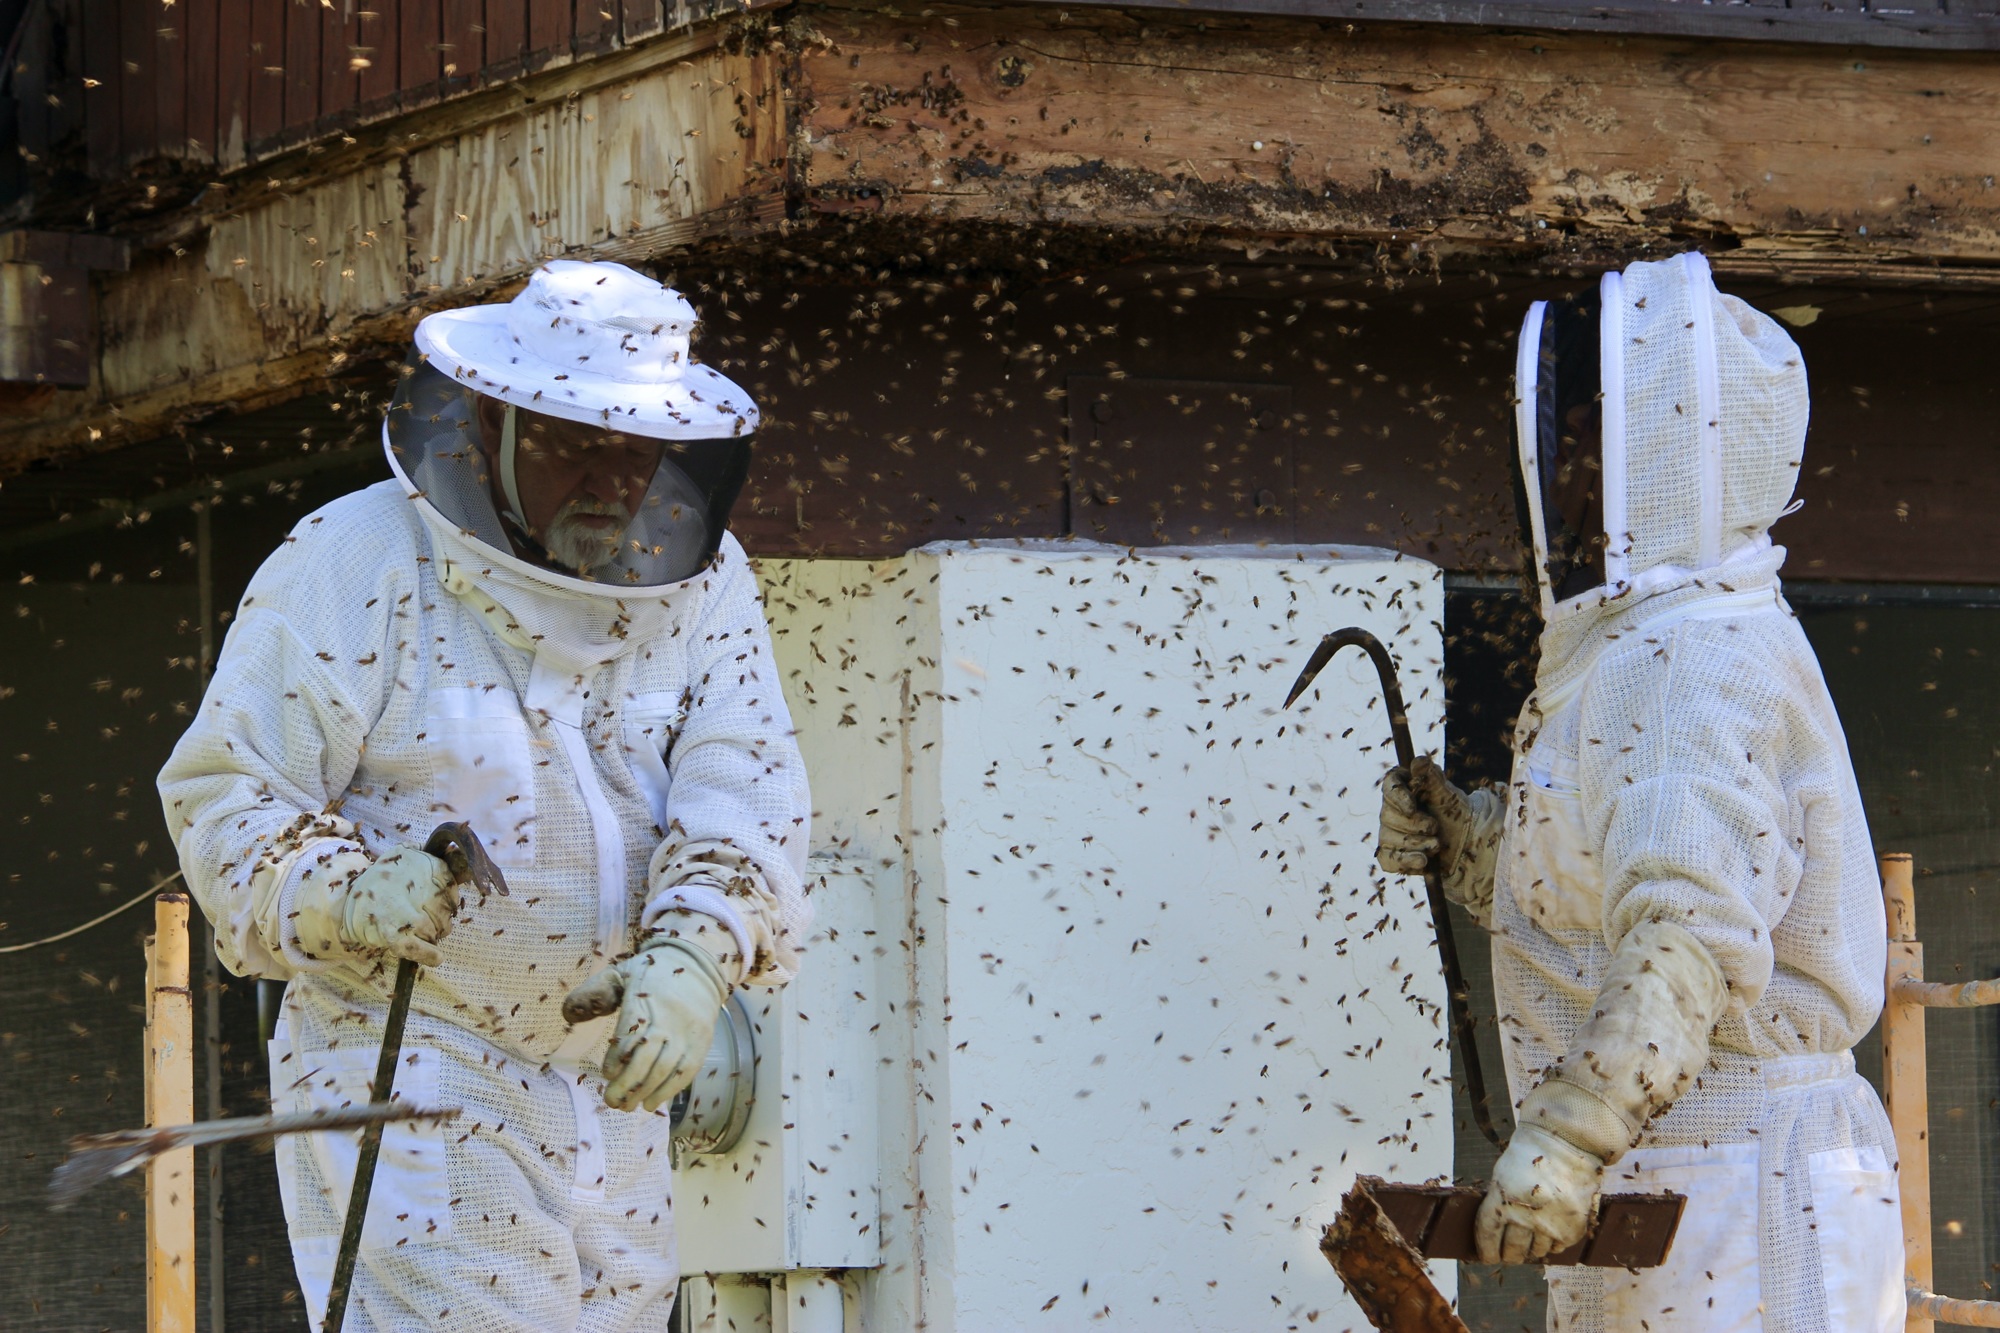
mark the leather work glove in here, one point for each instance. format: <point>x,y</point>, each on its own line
<point>1425,816</point>
<point>1542,1198</point>
<point>667,997</point>
<point>351,906</point>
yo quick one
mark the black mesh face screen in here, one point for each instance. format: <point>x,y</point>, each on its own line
<point>1569,445</point>
<point>584,500</point>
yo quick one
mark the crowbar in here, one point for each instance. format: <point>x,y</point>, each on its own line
<point>1406,754</point>
<point>458,847</point>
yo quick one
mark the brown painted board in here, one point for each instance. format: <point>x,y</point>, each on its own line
<point>36,63</point>
<point>1632,1231</point>
<point>137,112</point>
<point>377,34</point>
<point>267,74</point>
<point>170,77</point>
<point>462,43</point>
<point>302,71</point>
<point>233,63</point>
<point>506,39</point>
<point>594,25</point>
<point>418,65</point>
<point>101,103</point>
<point>549,31</point>
<point>339,79</point>
<point>204,24</point>
<point>640,19</point>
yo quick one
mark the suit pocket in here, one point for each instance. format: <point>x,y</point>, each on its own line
<point>1856,1215</point>
<point>483,770</point>
<point>409,1202</point>
<point>1559,886</point>
<point>652,719</point>
<point>1711,1281</point>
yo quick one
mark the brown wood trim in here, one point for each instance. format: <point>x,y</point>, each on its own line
<point>1845,25</point>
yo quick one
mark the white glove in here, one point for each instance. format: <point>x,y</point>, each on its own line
<point>350,906</point>
<point>667,997</point>
<point>1542,1199</point>
<point>1425,816</point>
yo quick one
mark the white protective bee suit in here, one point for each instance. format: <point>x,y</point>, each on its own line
<point>1687,925</point>
<point>622,747</point>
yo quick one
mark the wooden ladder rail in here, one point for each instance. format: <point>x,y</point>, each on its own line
<point>1906,1093</point>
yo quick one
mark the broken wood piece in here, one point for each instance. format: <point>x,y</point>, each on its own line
<point>1381,1270</point>
<point>1632,1230</point>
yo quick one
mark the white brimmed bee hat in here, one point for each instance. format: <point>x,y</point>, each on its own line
<point>595,342</point>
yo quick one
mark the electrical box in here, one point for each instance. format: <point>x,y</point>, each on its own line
<point>1106,1002</point>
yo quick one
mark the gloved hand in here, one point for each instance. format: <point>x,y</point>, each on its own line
<point>1542,1198</point>
<point>1425,816</point>
<point>667,997</point>
<point>401,904</point>
<point>1644,1043</point>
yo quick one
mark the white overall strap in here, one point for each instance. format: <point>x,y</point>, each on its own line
<point>1527,377</point>
<point>509,445</point>
<point>1611,375</point>
<point>1708,405</point>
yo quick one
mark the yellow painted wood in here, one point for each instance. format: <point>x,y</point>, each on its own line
<point>170,1050</point>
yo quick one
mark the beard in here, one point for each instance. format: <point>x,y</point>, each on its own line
<point>584,546</point>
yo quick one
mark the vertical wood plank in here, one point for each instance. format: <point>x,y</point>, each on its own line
<point>593,26</point>
<point>302,23</point>
<point>134,81</point>
<point>101,102</point>
<point>506,39</point>
<point>170,1101</point>
<point>549,31</point>
<point>234,61</point>
<point>1905,1081</point>
<point>204,21</point>
<point>377,33</point>
<point>639,19</point>
<point>267,73</point>
<point>462,44</point>
<point>417,63</point>
<point>339,76</point>
<point>170,75</point>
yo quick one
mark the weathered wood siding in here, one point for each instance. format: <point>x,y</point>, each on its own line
<point>223,83</point>
<point>1539,143</point>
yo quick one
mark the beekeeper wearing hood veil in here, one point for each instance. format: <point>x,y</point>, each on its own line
<point>1688,932</point>
<point>540,627</point>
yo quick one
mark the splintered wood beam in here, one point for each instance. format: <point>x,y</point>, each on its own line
<point>1542,142</point>
<point>1383,1272</point>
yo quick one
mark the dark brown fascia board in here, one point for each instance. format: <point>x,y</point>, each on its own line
<point>1632,18</point>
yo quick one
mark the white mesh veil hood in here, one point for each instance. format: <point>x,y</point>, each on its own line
<point>1705,413</point>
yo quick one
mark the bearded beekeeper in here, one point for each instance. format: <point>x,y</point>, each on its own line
<point>541,627</point>
<point>1688,933</point>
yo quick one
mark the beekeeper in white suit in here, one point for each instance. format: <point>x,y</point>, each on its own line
<point>540,627</point>
<point>1687,926</point>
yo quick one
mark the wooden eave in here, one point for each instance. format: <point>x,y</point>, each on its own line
<point>1924,27</point>
<point>1434,146</point>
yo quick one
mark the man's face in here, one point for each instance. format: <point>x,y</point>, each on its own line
<point>579,485</point>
